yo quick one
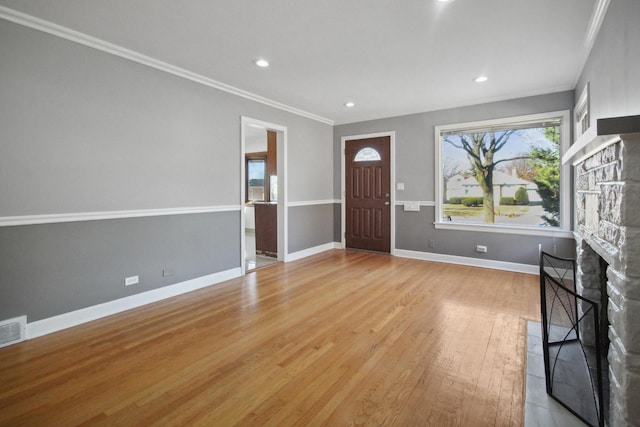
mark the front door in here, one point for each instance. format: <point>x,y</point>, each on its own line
<point>367,195</point>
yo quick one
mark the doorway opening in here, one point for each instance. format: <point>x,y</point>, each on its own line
<point>368,199</point>
<point>263,194</point>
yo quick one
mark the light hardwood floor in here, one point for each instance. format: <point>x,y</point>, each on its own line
<point>340,338</point>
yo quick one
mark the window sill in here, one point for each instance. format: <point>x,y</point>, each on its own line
<point>505,229</point>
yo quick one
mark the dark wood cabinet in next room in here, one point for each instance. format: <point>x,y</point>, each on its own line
<point>266,228</point>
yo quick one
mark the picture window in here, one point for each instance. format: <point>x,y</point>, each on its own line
<point>503,173</point>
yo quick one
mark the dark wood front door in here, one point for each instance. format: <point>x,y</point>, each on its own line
<point>368,194</point>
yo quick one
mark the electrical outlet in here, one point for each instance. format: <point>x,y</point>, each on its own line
<point>432,244</point>
<point>133,280</point>
<point>400,186</point>
<point>166,272</point>
<point>481,248</point>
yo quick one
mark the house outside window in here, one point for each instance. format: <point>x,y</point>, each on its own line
<point>504,175</point>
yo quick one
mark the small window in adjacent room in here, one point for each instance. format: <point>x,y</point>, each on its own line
<point>255,179</point>
<point>503,175</point>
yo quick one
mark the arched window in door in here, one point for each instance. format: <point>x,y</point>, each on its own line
<point>367,154</point>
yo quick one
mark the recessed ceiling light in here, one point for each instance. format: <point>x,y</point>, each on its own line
<point>263,63</point>
<point>350,104</point>
<point>445,1</point>
<point>481,79</point>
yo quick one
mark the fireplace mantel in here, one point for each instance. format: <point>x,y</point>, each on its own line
<point>598,137</point>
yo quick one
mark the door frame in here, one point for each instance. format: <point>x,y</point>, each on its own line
<point>392,179</point>
<point>283,221</point>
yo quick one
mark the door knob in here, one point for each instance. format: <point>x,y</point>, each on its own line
<point>386,195</point>
<point>386,203</point>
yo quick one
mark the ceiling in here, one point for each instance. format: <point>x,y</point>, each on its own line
<point>389,57</point>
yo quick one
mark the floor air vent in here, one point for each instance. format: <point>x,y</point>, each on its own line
<point>12,331</point>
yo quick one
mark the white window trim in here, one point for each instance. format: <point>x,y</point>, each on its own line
<point>581,110</point>
<point>565,200</point>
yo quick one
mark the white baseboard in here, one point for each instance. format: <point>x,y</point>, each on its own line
<point>312,251</point>
<point>84,315</point>
<point>77,317</point>
<point>473,262</point>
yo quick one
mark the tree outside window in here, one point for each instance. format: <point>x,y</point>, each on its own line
<point>501,173</point>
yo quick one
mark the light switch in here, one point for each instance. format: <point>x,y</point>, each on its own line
<point>400,186</point>
<point>412,206</point>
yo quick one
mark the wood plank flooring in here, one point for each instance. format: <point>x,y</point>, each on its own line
<point>340,338</point>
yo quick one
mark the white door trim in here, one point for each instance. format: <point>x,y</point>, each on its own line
<point>392,162</point>
<point>283,222</point>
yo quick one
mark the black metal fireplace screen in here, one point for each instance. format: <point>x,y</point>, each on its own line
<point>571,342</point>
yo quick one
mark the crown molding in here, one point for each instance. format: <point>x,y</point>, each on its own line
<point>104,46</point>
<point>599,12</point>
<point>597,17</point>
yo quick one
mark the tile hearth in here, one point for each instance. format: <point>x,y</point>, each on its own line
<point>540,409</point>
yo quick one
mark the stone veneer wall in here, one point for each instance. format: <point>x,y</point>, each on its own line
<point>607,203</point>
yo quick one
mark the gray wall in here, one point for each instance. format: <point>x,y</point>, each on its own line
<point>85,131</point>
<point>613,68</point>
<point>414,230</point>
<point>310,224</point>
<point>56,268</point>
<point>415,150</point>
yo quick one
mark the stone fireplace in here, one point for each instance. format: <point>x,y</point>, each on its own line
<point>606,163</point>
